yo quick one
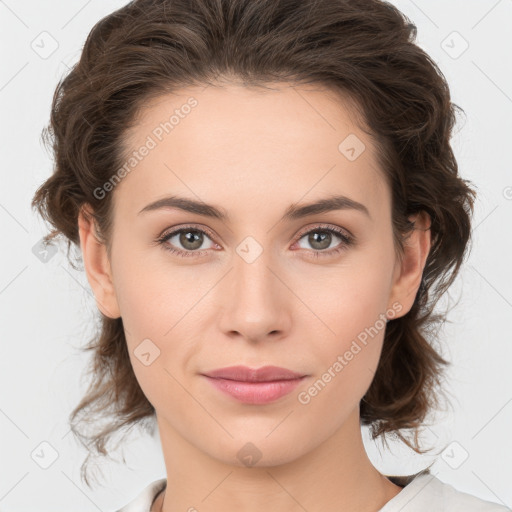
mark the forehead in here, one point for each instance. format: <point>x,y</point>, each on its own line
<point>286,141</point>
<point>281,113</point>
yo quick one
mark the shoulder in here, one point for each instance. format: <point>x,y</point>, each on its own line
<point>459,500</point>
<point>424,492</point>
<point>144,499</point>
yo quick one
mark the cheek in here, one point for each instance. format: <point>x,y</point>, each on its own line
<point>348,299</point>
<point>150,293</point>
<point>350,308</point>
<point>157,302</point>
<point>347,359</point>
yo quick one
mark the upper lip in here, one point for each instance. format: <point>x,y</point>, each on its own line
<point>246,374</point>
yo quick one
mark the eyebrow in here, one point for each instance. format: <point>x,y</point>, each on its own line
<point>294,211</point>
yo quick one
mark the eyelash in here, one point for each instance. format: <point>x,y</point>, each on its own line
<point>347,241</point>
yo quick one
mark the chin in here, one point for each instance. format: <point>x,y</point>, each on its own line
<point>258,451</point>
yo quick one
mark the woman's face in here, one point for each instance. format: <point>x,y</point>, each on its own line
<point>266,284</point>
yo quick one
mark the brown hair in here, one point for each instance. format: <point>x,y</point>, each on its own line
<point>364,50</point>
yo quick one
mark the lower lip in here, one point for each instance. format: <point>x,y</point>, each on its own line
<point>255,392</point>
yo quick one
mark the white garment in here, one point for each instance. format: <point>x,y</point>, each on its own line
<point>143,502</point>
<point>426,493</point>
<point>423,492</point>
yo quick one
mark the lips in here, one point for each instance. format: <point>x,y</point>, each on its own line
<point>258,386</point>
<point>246,374</point>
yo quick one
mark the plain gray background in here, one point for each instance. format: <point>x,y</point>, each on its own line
<point>47,310</point>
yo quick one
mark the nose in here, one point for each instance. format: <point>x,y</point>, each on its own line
<point>255,302</point>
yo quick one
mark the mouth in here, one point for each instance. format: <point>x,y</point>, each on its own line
<point>255,386</point>
<point>246,374</point>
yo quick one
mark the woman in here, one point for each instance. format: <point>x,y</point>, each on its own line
<point>268,209</point>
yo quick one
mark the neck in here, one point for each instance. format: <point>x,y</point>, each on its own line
<point>336,475</point>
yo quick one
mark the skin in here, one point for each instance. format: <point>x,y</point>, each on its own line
<point>254,153</point>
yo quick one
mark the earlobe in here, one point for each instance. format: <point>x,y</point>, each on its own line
<point>409,272</point>
<point>97,265</point>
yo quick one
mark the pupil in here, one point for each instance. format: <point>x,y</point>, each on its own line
<point>194,240</point>
<point>323,238</point>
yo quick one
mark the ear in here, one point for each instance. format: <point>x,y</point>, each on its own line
<point>97,265</point>
<point>409,272</point>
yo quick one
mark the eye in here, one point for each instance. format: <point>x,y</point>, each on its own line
<point>190,239</point>
<point>321,240</point>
